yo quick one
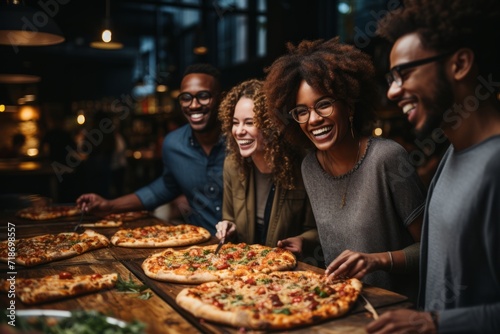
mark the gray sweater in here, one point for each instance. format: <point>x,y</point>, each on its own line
<point>461,241</point>
<point>384,196</point>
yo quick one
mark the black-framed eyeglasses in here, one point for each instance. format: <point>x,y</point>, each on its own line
<point>395,75</point>
<point>323,108</point>
<point>186,99</point>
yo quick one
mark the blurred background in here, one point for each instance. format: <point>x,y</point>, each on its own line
<point>80,114</point>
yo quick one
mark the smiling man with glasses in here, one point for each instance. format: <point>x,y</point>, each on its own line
<point>193,158</point>
<point>456,92</point>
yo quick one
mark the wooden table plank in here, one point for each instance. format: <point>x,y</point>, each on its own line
<point>354,322</point>
<point>158,315</point>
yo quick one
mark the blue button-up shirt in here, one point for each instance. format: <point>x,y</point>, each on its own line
<point>188,170</point>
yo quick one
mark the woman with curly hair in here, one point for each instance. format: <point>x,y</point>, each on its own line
<point>264,198</point>
<point>367,205</point>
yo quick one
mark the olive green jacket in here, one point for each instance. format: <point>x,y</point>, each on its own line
<point>291,213</point>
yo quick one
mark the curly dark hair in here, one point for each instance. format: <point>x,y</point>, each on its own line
<point>330,67</point>
<point>280,156</point>
<point>447,25</point>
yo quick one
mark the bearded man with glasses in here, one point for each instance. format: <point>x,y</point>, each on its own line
<point>445,77</point>
<point>368,213</point>
<point>193,158</point>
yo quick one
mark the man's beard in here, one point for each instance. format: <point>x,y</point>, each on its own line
<point>436,106</point>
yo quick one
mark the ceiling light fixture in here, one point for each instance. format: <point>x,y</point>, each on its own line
<point>106,41</point>
<point>21,25</point>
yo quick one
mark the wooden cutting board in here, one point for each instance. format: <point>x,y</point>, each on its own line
<point>354,322</point>
<point>158,315</point>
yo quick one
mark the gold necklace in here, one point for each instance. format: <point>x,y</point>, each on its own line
<point>349,177</point>
<point>344,196</point>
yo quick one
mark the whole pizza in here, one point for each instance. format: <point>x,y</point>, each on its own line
<point>198,264</point>
<point>280,300</point>
<point>160,236</point>
<point>48,212</point>
<point>50,247</point>
<point>54,287</point>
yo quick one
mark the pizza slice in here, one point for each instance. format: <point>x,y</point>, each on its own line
<point>54,287</point>
<point>104,223</point>
<point>198,264</point>
<point>160,236</point>
<point>48,212</point>
<point>280,300</point>
<point>51,247</point>
<point>127,216</point>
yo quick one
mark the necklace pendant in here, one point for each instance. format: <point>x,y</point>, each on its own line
<point>343,202</point>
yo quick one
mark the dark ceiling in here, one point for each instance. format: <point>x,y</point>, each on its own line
<point>94,72</point>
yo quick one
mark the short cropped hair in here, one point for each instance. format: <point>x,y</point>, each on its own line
<point>447,25</point>
<point>203,68</point>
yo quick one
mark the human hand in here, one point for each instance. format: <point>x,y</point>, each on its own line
<point>355,264</point>
<point>402,321</point>
<point>293,244</point>
<point>93,203</point>
<point>225,229</point>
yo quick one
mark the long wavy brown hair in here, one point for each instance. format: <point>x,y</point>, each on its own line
<point>331,68</point>
<point>279,155</point>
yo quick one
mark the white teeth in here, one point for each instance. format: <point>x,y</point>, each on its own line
<point>408,107</point>
<point>318,132</point>
<point>196,116</point>
<point>245,142</point>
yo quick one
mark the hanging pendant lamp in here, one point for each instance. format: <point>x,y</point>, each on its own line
<point>21,25</point>
<point>106,42</point>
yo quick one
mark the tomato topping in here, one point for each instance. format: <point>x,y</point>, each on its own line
<point>224,265</point>
<point>96,276</point>
<point>218,303</point>
<point>275,299</point>
<point>250,281</point>
<point>65,275</point>
<point>251,254</point>
<point>297,299</point>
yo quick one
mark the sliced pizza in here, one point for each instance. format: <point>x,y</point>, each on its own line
<point>51,247</point>
<point>160,236</point>
<point>279,300</point>
<point>48,212</point>
<point>54,287</point>
<point>127,216</point>
<point>198,264</point>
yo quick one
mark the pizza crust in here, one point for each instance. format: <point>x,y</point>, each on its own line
<point>49,288</point>
<point>280,300</point>
<point>160,236</point>
<point>51,247</point>
<point>198,264</point>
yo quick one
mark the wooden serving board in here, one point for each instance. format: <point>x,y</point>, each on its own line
<point>354,322</point>
<point>158,316</point>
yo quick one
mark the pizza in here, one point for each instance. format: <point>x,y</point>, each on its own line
<point>48,212</point>
<point>63,285</point>
<point>127,216</point>
<point>50,247</point>
<point>279,300</point>
<point>198,264</point>
<point>160,236</point>
<point>103,223</point>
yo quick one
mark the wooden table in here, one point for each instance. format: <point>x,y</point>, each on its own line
<point>160,313</point>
